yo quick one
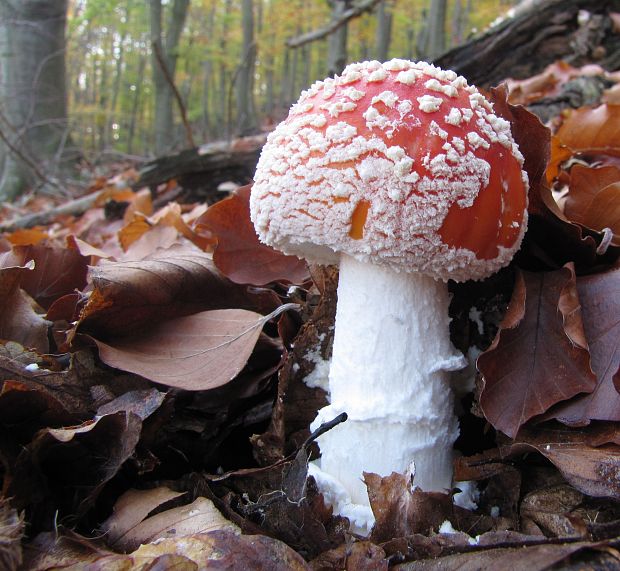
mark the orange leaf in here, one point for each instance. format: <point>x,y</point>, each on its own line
<point>239,255</point>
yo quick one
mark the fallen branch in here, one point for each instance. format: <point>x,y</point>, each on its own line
<point>72,208</point>
<point>320,33</point>
<point>551,29</point>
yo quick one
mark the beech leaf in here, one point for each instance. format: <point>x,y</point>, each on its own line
<point>197,352</point>
<point>19,321</point>
<point>56,272</point>
<point>239,254</point>
<point>593,470</point>
<point>539,356</point>
<point>593,198</point>
<point>594,131</point>
<point>129,296</point>
<point>600,306</point>
<point>201,516</point>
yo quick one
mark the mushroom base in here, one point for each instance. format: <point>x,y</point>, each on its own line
<point>390,373</point>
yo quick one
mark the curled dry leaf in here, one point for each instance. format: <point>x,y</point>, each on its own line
<point>599,295</point>
<point>529,133</point>
<point>19,320</point>
<point>132,508</point>
<point>586,132</point>
<point>540,354</point>
<point>592,131</point>
<point>400,511</point>
<point>593,470</point>
<point>56,271</point>
<point>593,198</point>
<point>201,516</point>
<point>84,458</point>
<point>198,352</point>
<point>239,255</point>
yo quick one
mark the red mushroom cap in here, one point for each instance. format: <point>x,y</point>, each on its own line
<point>401,164</point>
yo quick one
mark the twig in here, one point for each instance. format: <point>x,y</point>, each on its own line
<point>164,68</point>
<point>344,18</point>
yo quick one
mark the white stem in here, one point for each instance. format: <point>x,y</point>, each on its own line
<point>390,373</point>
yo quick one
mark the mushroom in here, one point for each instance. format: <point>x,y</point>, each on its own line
<point>402,174</point>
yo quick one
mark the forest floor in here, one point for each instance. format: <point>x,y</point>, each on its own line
<point>132,437</point>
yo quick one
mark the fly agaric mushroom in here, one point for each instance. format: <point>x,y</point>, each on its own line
<point>400,173</point>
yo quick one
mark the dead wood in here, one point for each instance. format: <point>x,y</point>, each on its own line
<point>576,31</point>
<point>202,169</point>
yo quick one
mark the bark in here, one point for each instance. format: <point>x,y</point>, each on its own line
<point>222,113</point>
<point>384,30</point>
<point>337,54</point>
<point>436,40</point>
<point>203,169</point>
<point>135,105</point>
<point>551,29</point>
<point>165,54</point>
<point>246,112</point>
<point>33,93</point>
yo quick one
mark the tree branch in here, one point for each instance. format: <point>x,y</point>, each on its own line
<point>321,33</point>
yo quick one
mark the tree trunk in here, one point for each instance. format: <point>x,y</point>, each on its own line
<point>224,127</point>
<point>384,30</point>
<point>337,54</point>
<point>164,61</point>
<point>436,42</point>
<point>137,94</point>
<point>33,92</point>
<point>246,113</point>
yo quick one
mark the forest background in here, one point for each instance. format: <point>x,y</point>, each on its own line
<point>86,82</point>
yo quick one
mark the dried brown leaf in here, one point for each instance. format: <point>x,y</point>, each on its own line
<point>19,320</point>
<point>600,307</point>
<point>592,131</point>
<point>539,357</point>
<point>239,254</point>
<point>400,511</point>
<point>521,558</point>
<point>224,549</point>
<point>130,296</point>
<point>133,507</point>
<point>213,551</point>
<point>56,271</point>
<point>197,352</point>
<point>593,470</point>
<point>593,198</point>
<point>201,516</point>
<point>82,458</point>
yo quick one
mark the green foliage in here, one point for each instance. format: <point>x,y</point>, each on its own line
<point>109,62</point>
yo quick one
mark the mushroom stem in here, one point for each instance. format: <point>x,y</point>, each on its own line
<point>390,373</point>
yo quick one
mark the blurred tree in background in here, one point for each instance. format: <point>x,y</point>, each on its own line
<point>118,78</point>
